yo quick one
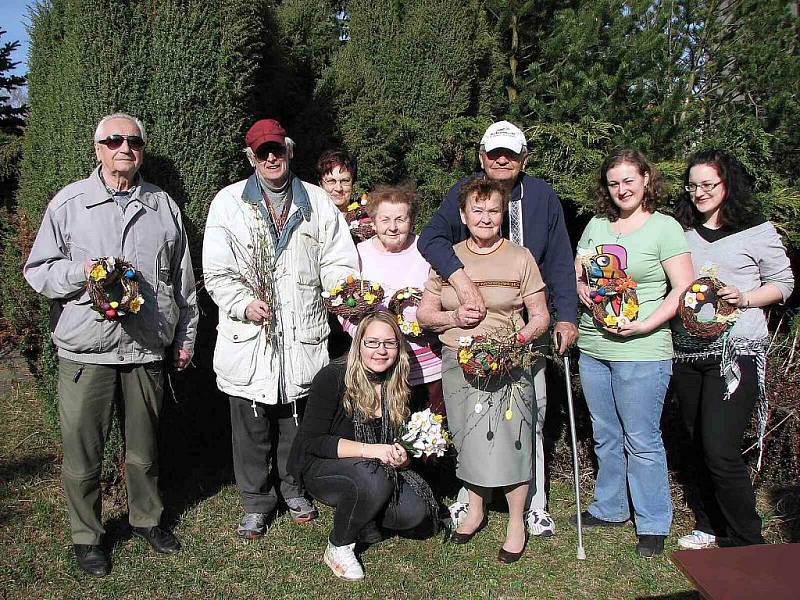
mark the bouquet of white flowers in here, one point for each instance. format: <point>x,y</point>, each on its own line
<point>424,434</point>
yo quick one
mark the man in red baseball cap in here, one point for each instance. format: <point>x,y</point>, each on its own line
<point>272,244</point>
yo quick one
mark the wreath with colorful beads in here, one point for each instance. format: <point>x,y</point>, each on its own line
<point>113,288</point>
<point>620,292</point>
<point>402,299</point>
<point>352,298</point>
<point>701,292</point>
<point>360,223</point>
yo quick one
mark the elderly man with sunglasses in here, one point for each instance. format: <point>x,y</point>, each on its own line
<point>272,244</point>
<point>535,220</point>
<point>114,213</point>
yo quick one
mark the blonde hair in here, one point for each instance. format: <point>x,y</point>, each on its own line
<point>359,396</point>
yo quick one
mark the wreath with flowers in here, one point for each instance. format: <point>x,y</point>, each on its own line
<point>113,288</point>
<point>701,292</point>
<point>402,299</point>
<point>352,297</point>
<point>360,223</point>
<point>492,354</point>
<point>620,292</point>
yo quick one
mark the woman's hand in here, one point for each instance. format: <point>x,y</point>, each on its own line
<point>390,454</point>
<point>734,296</point>
<point>630,328</point>
<point>583,294</point>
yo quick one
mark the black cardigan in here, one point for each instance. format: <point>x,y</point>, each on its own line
<point>325,422</point>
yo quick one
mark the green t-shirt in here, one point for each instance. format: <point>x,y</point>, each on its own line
<point>640,255</point>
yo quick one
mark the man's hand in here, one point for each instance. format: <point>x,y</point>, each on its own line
<point>183,356</point>
<point>466,317</point>
<point>468,294</point>
<point>257,311</point>
<point>565,334</point>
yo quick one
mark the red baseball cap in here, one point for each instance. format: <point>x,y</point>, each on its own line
<point>263,131</point>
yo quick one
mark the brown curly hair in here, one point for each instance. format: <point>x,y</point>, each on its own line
<point>483,187</point>
<point>653,191</point>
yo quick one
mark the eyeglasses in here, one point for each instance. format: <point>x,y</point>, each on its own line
<point>264,150</point>
<point>509,154</point>
<point>706,187</point>
<point>112,142</point>
<point>345,181</point>
<point>388,344</point>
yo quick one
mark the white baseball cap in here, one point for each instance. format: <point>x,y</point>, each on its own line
<point>504,135</point>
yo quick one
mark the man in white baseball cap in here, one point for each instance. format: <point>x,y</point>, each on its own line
<point>535,220</point>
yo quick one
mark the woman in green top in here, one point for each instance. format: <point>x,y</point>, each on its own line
<point>628,256</point>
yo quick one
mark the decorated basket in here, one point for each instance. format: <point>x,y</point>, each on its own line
<point>353,298</point>
<point>620,293</point>
<point>403,298</point>
<point>486,355</point>
<point>113,287</point>
<point>359,222</point>
<point>701,292</point>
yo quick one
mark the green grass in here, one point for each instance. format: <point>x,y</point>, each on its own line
<point>36,559</point>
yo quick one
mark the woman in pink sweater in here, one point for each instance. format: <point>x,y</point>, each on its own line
<point>391,258</point>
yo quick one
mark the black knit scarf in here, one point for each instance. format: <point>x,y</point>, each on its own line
<point>366,434</point>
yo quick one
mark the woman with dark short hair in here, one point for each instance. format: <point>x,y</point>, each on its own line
<point>628,257</point>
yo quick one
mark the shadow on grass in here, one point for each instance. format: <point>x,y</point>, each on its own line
<point>678,596</point>
<point>37,465</point>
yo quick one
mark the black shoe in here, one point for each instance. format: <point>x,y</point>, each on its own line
<point>650,545</point>
<point>92,559</point>
<point>589,520</point>
<point>160,539</point>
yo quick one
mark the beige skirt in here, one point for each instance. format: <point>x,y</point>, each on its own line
<point>492,423</point>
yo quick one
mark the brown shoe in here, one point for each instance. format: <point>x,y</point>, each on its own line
<point>506,557</point>
<point>463,538</point>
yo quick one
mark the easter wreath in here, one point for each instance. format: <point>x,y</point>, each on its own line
<point>352,297</point>
<point>609,289</point>
<point>402,298</point>
<point>113,287</point>
<point>700,292</point>
<point>489,355</point>
<point>359,222</point>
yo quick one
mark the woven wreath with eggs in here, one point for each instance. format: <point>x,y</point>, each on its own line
<point>359,222</point>
<point>353,297</point>
<point>402,299</point>
<point>701,292</point>
<point>486,356</point>
<point>113,287</point>
<point>620,293</point>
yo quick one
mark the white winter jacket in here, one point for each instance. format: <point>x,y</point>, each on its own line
<point>314,251</point>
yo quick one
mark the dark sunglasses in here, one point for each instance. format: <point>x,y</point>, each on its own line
<point>264,150</point>
<point>509,154</point>
<point>112,142</point>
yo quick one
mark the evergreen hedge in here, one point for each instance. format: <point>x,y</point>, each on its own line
<point>408,86</point>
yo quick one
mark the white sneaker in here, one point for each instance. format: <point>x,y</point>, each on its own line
<point>458,510</point>
<point>540,522</point>
<point>343,562</point>
<point>697,540</point>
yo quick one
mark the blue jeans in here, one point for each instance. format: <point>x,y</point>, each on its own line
<point>625,399</point>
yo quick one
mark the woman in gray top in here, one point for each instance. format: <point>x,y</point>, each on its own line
<point>719,380</point>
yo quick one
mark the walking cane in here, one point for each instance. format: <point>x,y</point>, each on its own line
<point>581,553</point>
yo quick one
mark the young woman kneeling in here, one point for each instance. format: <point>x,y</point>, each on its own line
<point>344,453</point>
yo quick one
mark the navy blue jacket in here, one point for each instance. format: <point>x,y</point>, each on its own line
<point>543,231</point>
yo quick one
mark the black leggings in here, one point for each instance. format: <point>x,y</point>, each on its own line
<point>360,493</point>
<point>717,427</point>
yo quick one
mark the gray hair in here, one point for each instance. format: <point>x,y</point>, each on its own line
<point>119,115</point>
<point>288,142</point>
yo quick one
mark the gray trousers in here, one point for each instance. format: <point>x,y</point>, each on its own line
<point>261,435</point>
<point>86,395</point>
